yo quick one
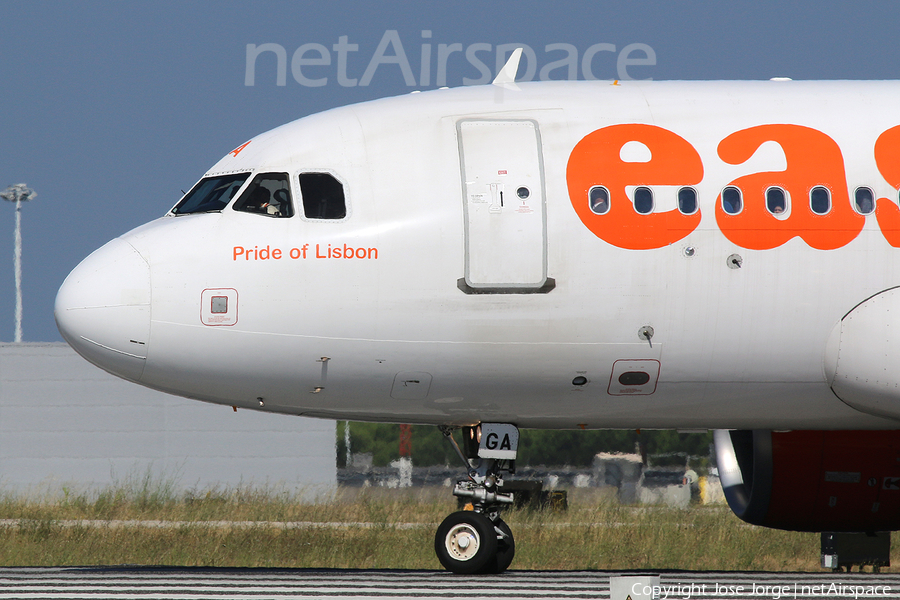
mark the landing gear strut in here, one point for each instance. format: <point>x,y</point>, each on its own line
<point>478,540</point>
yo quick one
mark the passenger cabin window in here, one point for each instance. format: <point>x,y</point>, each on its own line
<point>731,200</point>
<point>599,200</point>
<point>210,194</point>
<point>865,200</point>
<point>687,201</point>
<point>776,201</point>
<point>268,194</point>
<point>820,200</point>
<point>643,200</point>
<point>323,196</point>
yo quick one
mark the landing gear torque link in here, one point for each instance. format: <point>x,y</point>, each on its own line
<point>478,541</point>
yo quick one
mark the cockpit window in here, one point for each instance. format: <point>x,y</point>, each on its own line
<point>268,194</point>
<point>323,196</point>
<point>211,194</point>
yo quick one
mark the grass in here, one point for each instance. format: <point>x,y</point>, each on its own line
<point>595,533</point>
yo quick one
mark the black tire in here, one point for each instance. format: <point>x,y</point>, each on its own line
<point>506,550</point>
<point>466,542</point>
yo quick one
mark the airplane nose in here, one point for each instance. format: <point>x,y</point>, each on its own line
<point>103,309</point>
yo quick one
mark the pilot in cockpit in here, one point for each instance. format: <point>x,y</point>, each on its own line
<point>258,201</point>
<point>267,195</point>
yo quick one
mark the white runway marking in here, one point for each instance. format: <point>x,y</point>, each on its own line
<point>150,583</point>
<point>154,524</point>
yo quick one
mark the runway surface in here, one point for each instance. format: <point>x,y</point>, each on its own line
<point>100,583</point>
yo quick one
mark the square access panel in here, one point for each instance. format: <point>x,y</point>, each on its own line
<point>219,307</point>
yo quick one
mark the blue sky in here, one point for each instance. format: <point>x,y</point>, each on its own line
<point>109,109</point>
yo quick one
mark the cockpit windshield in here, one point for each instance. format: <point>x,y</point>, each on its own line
<point>268,194</point>
<point>211,194</point>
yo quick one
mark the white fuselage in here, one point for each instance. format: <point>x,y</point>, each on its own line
<point>443,316</point>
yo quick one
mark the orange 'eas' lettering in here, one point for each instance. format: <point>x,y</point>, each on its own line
<point>887,157</point>
<point>596,161</point>
<point>813,159</point>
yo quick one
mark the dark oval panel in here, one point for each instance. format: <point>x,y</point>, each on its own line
<point>634,378</point>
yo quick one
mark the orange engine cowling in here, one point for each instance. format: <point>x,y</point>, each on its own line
<point>812,480</point>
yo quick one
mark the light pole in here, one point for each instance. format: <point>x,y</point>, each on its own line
<point>18,193</point>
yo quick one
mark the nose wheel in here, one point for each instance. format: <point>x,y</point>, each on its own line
<point>478,540</point>
<point>468,542</point>
<point>506,549</point>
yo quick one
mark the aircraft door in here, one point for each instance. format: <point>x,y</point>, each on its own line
<point>504,208</point>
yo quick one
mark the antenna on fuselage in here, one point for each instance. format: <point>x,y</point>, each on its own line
<point>506,78</point>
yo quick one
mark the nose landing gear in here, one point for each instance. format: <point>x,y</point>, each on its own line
<point>478,540</point>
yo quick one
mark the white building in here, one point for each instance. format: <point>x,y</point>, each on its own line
<point>64,422</point>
